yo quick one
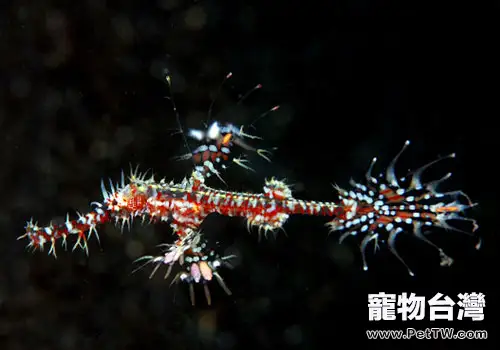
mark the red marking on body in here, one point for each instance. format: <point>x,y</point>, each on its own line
<point>137,202</point>
<point>365,210</point>
<point>428,216</point>
<point>205,155</point>
<point>404,215</point>
<point>384,220</point>
<point>449,209</point>
<point>395,199</point>
<point>391,195</point>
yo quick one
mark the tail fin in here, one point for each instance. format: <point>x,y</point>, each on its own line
<point>386,206</point>
<point>82,228</point>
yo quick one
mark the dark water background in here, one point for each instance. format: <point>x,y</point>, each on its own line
<point>82,97</point>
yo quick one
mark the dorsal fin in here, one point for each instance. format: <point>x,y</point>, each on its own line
<point>216,144</point>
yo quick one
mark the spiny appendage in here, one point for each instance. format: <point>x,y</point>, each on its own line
<point>83,228</point>
<point>384,207</point>
<point>127,197</point>
<point>267,212</point>
<point>197,262</point>
<point>143,198</point>
<point>214,155</point>
<point>121,204</point>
